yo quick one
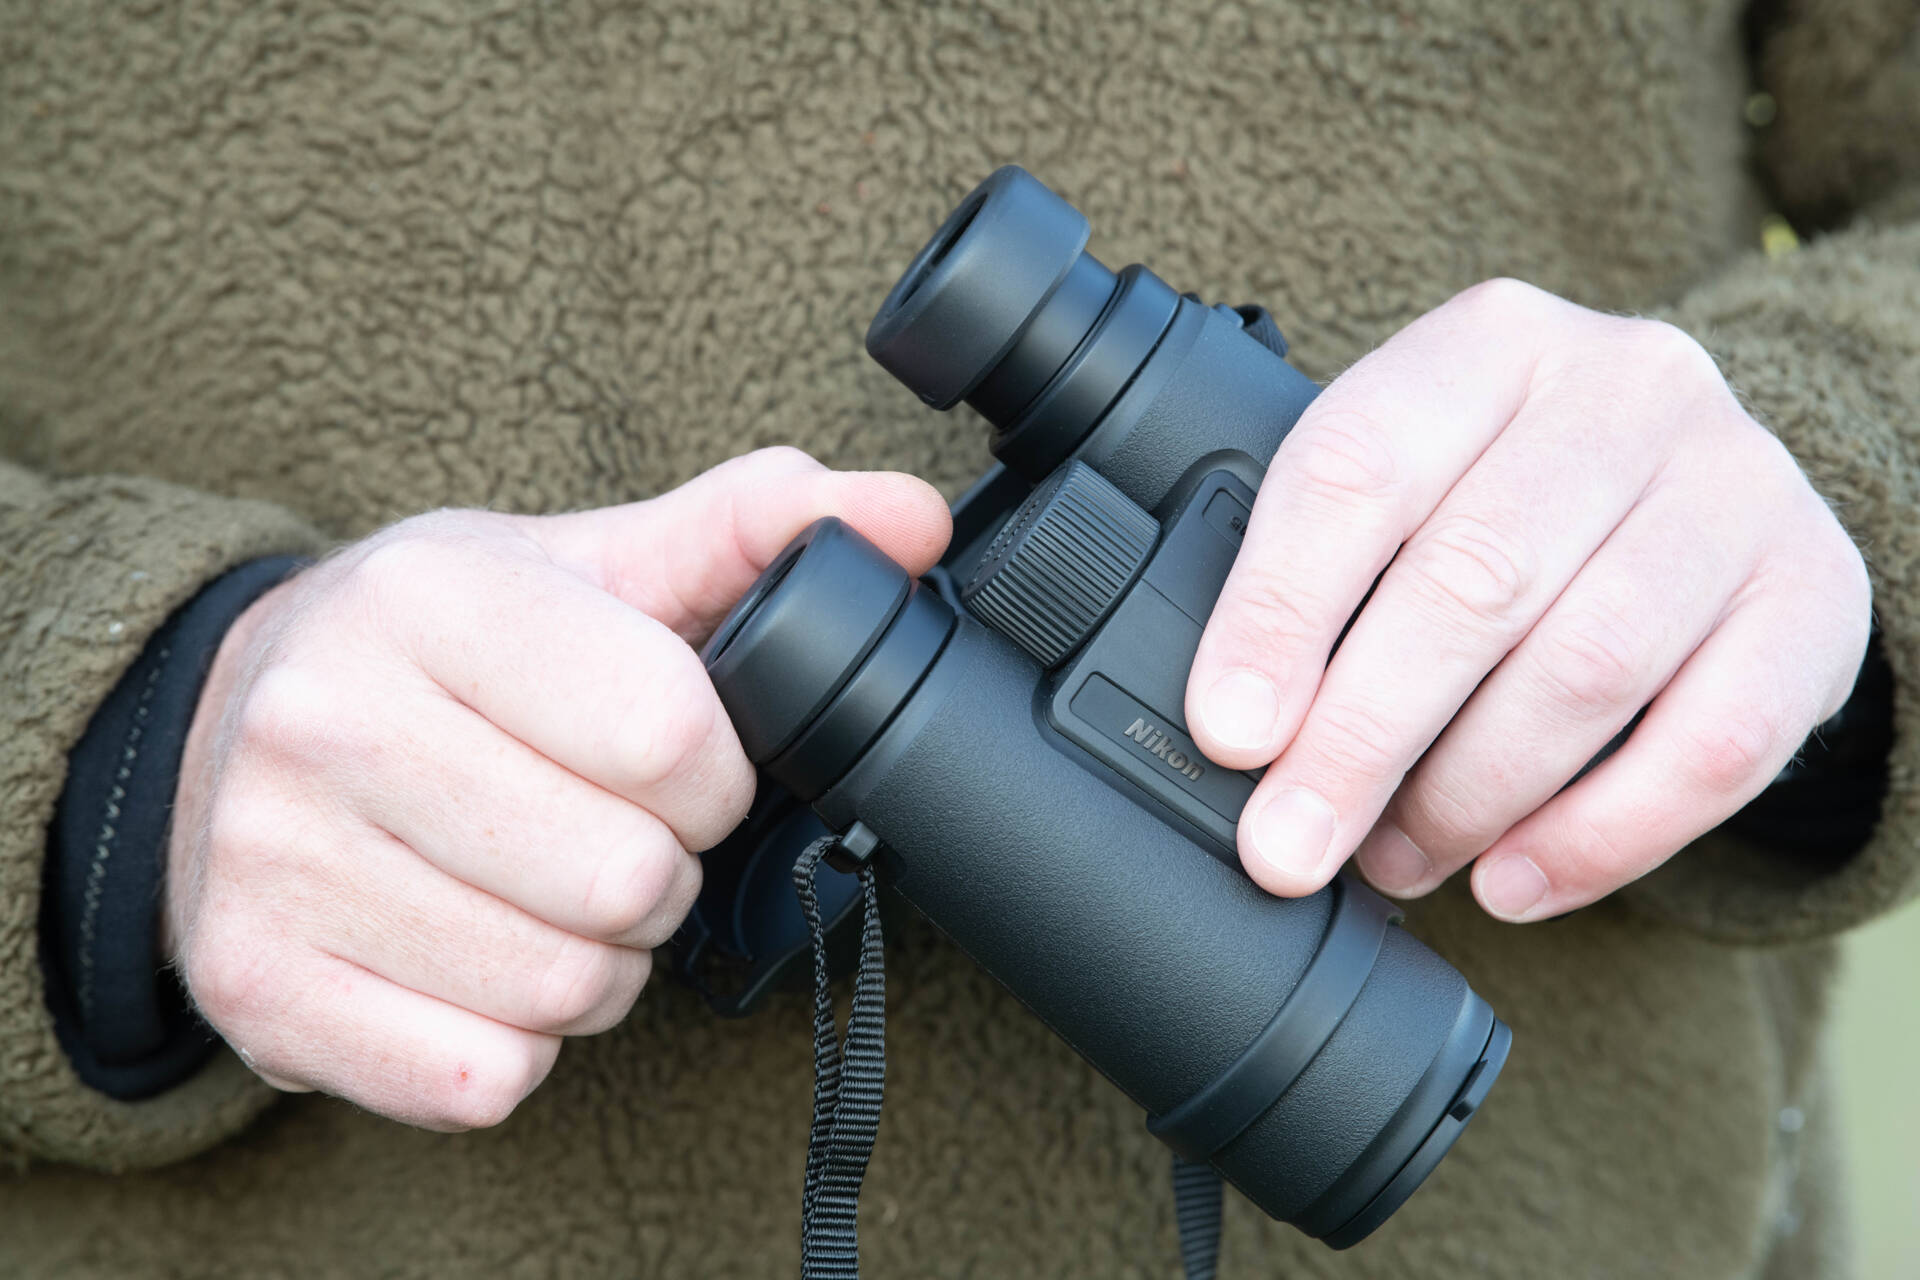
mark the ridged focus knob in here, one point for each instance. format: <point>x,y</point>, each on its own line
<point>1061,562</point>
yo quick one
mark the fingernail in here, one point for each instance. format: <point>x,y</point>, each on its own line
<point>1391,861</point>
<point>1511,887</point>
<point>1240,709</point>
<point>1292,833</point>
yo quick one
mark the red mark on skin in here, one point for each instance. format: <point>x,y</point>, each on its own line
<point>465,1075</point>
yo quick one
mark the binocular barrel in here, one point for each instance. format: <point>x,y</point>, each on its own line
<point>1321,1058</point>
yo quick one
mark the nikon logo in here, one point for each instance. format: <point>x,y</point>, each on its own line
<point>1155,740</point>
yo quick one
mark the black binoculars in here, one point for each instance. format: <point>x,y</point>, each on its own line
<point>1007,734</point>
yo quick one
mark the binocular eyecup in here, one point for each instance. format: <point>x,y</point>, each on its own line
<point>818,656</point>
<point>1005,309</point>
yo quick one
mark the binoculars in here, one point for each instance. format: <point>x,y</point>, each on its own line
<point>1006,735</point>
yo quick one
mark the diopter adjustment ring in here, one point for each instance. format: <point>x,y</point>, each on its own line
<point>1061,562</point>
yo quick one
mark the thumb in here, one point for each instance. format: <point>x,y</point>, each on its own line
<point>687,555</point>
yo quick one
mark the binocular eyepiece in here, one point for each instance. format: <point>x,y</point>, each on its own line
<point>1017,745</point>
<point>815,684</point>
<point>1005,309</point>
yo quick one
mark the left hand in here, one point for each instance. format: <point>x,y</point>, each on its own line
<point>1582,521</point>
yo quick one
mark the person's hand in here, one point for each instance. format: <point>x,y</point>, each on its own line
<point>1582,521</point>
<point>441,788</point>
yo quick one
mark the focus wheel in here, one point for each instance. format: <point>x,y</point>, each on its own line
<point>1061,562</point>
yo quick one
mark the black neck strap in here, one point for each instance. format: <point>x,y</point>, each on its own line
<point>848,1078</point>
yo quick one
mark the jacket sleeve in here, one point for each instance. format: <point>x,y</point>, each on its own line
<point>1823,345</point>
<point>89,568</point>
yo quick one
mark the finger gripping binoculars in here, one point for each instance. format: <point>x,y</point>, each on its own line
<point>1007,735</point>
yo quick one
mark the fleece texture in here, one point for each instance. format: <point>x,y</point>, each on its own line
<point>276,274</point>
<point>90,567</point>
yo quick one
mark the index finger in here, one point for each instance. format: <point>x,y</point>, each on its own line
<point>1365,465</point>
<point>583,678</point>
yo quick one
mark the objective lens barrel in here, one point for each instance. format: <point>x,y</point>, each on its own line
<point>1164,967</point>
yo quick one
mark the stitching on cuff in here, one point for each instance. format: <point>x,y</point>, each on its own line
<point>103,849</point>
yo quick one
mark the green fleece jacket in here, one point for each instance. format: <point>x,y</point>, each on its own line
<point>272,275</point>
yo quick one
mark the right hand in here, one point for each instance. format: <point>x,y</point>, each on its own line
<point>442,790</point>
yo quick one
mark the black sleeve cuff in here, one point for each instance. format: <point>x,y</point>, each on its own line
<point>123,1020</point>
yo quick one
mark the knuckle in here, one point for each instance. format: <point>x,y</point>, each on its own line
<point>1855,589</point>
<point>779,460</point>
<point>1592,853</point>
<point>575,984</point>
<point>654,747</point>
<point>1270,615</point>
<point>1341,456</point>
<point>631,974</point>
<point>1813,558</point>
<point>421,554</point>
<point>231,975</point>
<point>482,1094</point>
<point>1466,566</point>
<point>732,796</point>
<point>1774,463</point>
<point>246,828</point>
<point>1501,297</point>
<point>1664,351</point>
<point>1839,620</point>
<point>1727,755</point>
<point>1840,690</point>
<point>445,527</point>
<point>474,1107</point>
<point>675,904</point>
<point>407,555</point>
<point>1845,571</point>
<point>1591,663</point>
<point>1349,740</point>
<point>1770,489</point>
<point>626,889</point>
<point>1837,549</point>
<point>1444,824</point>
<point>290,712</point>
